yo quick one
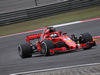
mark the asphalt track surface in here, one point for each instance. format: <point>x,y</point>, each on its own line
<point>10,62</point>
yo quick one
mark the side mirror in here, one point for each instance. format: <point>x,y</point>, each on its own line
<point>64,33</point>
<point>60,32</point>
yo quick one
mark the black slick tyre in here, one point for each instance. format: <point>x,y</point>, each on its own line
<point>25,50</point>
<point>84,38</point>
<point>45,46</point>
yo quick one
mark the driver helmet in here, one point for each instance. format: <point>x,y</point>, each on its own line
<point>54,35</point>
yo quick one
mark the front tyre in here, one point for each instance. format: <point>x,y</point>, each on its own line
<point>84,38</point>
<point>25,50</point>
<point>45,46</point>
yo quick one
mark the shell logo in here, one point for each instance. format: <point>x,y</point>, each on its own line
<point>69,41</point>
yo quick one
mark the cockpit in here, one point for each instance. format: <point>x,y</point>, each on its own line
<point>49,32</point>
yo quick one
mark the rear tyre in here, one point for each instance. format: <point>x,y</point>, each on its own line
<point>25,50</point>
<point>84,38</point>
<point>45,46</point>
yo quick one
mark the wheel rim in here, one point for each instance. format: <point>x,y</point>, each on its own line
<point>82,40</point>
<point>20,51</point>
<point>43,49</point>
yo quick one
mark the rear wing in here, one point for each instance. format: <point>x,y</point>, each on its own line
<point>32,37</point>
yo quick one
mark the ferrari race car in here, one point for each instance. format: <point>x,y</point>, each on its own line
<point>51,41</point>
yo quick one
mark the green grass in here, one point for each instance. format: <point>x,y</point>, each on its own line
<point>70,16</point>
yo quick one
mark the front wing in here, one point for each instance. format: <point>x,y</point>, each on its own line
<point>79,46</point>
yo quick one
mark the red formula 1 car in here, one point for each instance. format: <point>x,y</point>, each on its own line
<point>51,41</point>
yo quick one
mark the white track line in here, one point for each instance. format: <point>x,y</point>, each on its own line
<point>56,68</point>
<point>65,24</point>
